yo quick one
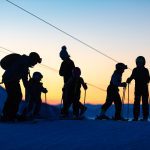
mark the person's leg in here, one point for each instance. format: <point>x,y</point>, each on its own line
<point>145,105</point>
<point>13,99</point>
<point>17,97</point>
<point>7,105</point>
<point>109,100</point>
<point>37,107</point>
<point>136,107</point>
<point>118,105</point>
<point>76,107</point>
<point>65,99</point>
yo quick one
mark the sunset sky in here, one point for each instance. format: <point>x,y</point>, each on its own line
<point>118,28</point>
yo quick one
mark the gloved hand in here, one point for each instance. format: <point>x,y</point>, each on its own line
<point>124,84</point>
<point>128,80</point>
<point>45,90</point>
<point>85,86</point>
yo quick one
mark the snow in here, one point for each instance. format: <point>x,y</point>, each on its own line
<point>75,134</point>
<point>87,134</point>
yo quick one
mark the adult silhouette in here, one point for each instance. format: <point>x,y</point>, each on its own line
<point>16,68</point>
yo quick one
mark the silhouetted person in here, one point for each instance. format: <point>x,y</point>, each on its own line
<point>19,69</point>
<point>72,92</point>
<point>67,65</point>
<point>141,76</point>
<point>113,93</point>
<point>66,72</point>
<point>35,89</point>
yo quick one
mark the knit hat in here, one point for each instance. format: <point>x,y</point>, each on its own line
<point>63,53</point>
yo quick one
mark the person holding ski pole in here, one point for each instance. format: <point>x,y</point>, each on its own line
<point>73,92</point>
<point>35,90</point>
<point>113,94</point>
<point>141,76</point>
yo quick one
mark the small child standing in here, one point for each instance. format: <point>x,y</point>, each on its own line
<point>35,88</point>
<point>113,93</point>
<point>73,92</point>
<point>141,76</point>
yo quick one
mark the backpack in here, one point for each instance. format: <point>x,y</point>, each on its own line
<point>8,60</point>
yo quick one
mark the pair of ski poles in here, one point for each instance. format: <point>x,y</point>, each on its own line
<point>123,99</point>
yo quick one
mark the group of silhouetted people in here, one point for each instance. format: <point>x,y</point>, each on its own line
<point>17,68</point>
<point>141,76</point>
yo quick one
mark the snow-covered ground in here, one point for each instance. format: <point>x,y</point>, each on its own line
<point>75,134</point>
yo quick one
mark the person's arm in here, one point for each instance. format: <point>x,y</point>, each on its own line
<point>84,84</point>
<point>61,70</point>
<point>116,80</point>
<point>131,77</point>
<point>72,64</point>
<point>25,74</point>
<point>44,90</point>
<point>148,76</point>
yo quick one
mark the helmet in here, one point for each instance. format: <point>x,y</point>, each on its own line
<point>37,75</point>
<point>76,72</point>
<point>35,56</point>
<point>63,53</point>
<point>140,60</point>
<point>121,66</point>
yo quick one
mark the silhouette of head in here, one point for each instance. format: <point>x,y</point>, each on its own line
<point>63,53</point>
<point>140,61</point>
<point>37,76</point>
<point>34,58</point>
<point>121,67</point>
<point>76,72</point>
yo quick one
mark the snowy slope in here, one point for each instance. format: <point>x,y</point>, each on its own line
<point>75,135</point>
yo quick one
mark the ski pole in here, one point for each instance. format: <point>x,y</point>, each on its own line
<point>123,98</point>
<point>148,98</point>
<point>84,97</point>
<point>128,101</point>
<point>61,101</point>
<point>46,106</point>
<point>45,99</point>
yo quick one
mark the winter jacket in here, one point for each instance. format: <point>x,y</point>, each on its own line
<point>116,79</point>
<point>72,87</point>
<point>35,89</point>
<point>141,77</point>
<point>66,69</point>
